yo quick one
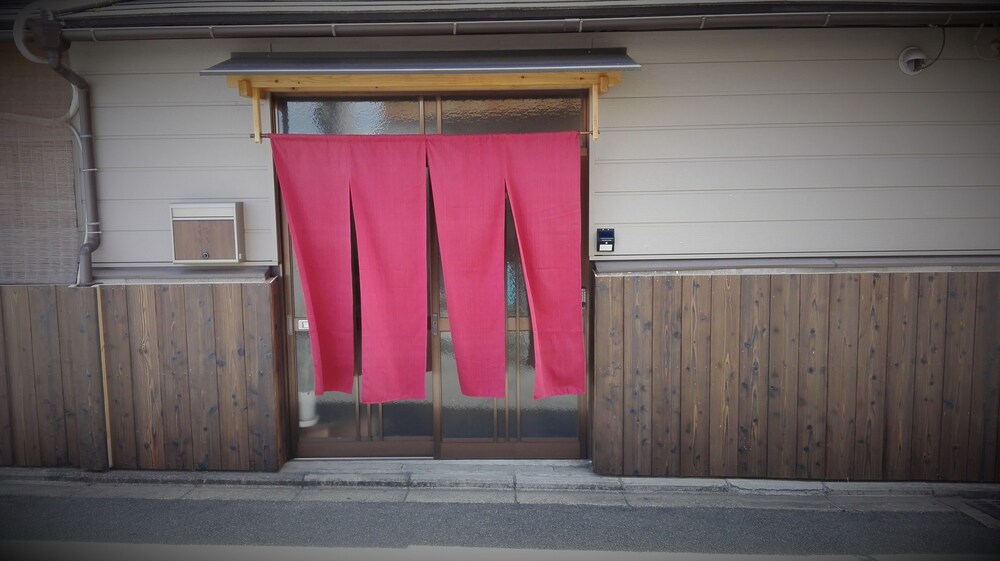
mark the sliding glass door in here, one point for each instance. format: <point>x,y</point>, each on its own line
<point>447,423</point>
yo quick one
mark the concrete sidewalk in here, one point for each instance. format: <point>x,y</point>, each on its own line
<point>568,482</point>
<point>86,551</point>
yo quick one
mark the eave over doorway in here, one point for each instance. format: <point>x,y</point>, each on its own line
<point>257,75</point>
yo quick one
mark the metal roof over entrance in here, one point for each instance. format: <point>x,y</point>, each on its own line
<point>438,62</point>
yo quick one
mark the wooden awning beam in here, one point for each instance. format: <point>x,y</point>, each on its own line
<point>259,87</point>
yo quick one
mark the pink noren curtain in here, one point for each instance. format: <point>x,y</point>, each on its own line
<point>468,191</point>
<point>543,185</point>
<point>315,192</point>
<point>383,179</point>
<point>389,196</point>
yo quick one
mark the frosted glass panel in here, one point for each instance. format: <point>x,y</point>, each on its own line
<point>337,415</point>
<point>513,114</point>
<point>383,116</point>
<point>442,294</point>
<point>304,362</point>
<point>461,416</point>
<point>409,417</point>
<point>516,294</point>
<point>430,115</point>
<point>298,296</point>
<point>551,417</point>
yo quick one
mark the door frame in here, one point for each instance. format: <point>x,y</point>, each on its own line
<point>436,446</point>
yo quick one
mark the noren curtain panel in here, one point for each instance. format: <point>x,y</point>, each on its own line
<point>381,182</point>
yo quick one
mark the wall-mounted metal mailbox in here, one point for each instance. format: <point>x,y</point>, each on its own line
<point>207,233</point>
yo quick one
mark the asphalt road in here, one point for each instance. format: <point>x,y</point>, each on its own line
<point>84,527</point>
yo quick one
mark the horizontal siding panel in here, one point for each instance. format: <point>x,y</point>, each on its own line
<point>118,215</point>
<point>647,47</point>
<point>165,56</point>
<point>231,118</point>
<point>187,183</point>
<point>783,44</point>
<point>806,204</point>
<point>797,141</point>
<point>152,247</point>
<point>710,114</point>
<point>804,173</point>
<point>807,237</point>
<point>814,76</point>
<point>111,90</point>
<point>812,108</point>
<point>189,152</point>
<point>166,88</point>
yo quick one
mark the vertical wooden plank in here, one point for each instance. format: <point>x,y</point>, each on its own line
<point>68,366</point>
<point>199,315</point>
<point>174,382</point>
<point>146,398</point>
<point>984,421</point>
<point>262,383</point>
<point>230,352</point>
<point>723,390</point>
<point>842,375</point>
<point>925,457</point>
<point>276,332</point>
<point>666,421</point>
<point>638,357</point>
<point>814,343</point>
<point>21,369</point>
<point>755,327</point>
<point>956,387</point>
<point>80,342</point>
<point>118,359</point>
<point>6,431</point>
<point>901,358</point>
<point>609,381</point>
<point>48,375</point>
<point>870,425</point>
<point>695,375</point>
<point>783,375</point>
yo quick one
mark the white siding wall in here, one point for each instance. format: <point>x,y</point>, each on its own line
<point>166,134</point>
<point>725,143</point>
<point>799,142</point>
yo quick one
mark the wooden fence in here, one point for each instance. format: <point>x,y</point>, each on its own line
<point>51,394</point>
<point>190,375</point>
<point>872,376</point>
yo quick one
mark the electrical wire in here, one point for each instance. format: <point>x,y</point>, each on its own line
<point>995,43</point>
<point>944,36</point>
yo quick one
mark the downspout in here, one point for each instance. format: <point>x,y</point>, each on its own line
<point>48,36</point>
